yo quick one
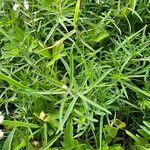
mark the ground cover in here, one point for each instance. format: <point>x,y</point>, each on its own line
<point>75,75</point>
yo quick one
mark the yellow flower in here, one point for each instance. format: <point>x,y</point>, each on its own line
<point>42,115</point>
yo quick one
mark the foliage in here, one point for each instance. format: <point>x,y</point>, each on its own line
<point>75,75</point>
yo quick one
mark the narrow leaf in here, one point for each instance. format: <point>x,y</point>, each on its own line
<point>77,9</point>
<point>136,89</point>
<point>51,142</point>
<point>93,103</point>
<point>8,142</point>
<point>19,124</point>
<point>98,81</point>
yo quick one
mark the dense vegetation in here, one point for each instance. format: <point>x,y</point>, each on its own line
<point>75,75</point>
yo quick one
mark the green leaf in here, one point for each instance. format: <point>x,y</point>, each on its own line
<point>136,89</point>
<point>69,111</point>
<point>50,143</point>
<point>116,147</point>
<point>68,135</point>
<point>11,81</point>
<point>19,124</point>
<point>8,142</point>
<point>23,143</point>
<point>77,9</point>
<point>58,53</point>
<point>66,36</point>
<point>132,135</point>
<point>111,133</point>
<point>1,3</point>
<point>93,103</point>
<point>98,81</point>
<point>147,124</point>
<point>52,119</point>
<point>144,134</point>
<point>101,131</point>
<point>145,129</point>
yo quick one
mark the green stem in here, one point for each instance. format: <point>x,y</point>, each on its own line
<point>100,132</point>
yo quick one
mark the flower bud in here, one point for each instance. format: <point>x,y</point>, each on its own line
<point>1,117</point>
<point>1,134</point>
<point>26,5</point>
<point>15,7</point>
